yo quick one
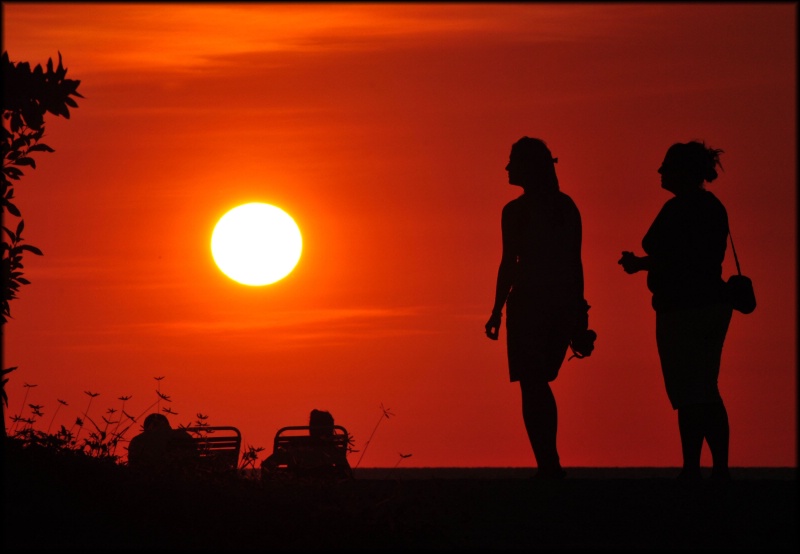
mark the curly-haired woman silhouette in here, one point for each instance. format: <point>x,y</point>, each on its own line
<point>685,246</point>
<point>540,281</point>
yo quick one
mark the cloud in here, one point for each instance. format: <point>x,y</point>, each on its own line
<point>123,37</point>
<point>276,330</point>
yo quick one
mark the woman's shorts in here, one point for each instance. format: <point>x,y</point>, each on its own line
<point>690,348</point>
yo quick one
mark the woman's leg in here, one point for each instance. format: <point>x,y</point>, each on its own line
<point>704,421</point>
<point>540,414</point>
<point>717,434</point>
<point>690,348</point>
<point>691,422</point>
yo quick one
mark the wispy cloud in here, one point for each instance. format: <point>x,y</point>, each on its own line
<point>276,330</point>
<point>122,37</point>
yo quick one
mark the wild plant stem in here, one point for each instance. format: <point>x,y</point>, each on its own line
<point>22,408</point>
<point>121,414</point>
<point>369,440</point>
<point>52,419</point>
<point>85,417</point>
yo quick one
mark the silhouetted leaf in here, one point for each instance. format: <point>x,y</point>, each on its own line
<point>20,142</point>
<point>12,209</point>
<point>40,148</point>
<point>26,161</point>
<point>31,249</point>
<point>12,172</point>
<point>61,70</point>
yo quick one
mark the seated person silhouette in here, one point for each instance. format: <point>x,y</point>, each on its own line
<point>319,455</point>
<point>159,448</point>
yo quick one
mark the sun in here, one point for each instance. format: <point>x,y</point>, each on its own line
<point>256,244</point>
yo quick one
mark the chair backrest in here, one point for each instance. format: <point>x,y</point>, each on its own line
<point>296,449</point>
<point>218,447</point>
<point>300,435</point>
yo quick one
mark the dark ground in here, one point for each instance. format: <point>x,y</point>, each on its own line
<point>78,504</point>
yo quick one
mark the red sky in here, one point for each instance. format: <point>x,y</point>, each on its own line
<point>384,130</point>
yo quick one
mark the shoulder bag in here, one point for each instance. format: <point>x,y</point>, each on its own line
<point>739,289</point>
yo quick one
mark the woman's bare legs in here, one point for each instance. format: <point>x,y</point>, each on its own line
<point>707,422</point>
<point>540,414</point>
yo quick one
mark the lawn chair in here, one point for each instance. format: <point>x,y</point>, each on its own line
<point>218,447</point>
<point>301,451</point>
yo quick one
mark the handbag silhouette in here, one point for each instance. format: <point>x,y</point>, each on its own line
<point>740,291</point>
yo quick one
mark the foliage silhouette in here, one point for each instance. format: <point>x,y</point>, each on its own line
<point>105,435</point>
<point>28,94</point>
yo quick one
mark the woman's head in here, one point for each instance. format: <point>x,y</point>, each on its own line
<point>689,165</point>
<point>531,165</point>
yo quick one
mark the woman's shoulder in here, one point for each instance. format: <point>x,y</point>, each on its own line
<point>514,206</point>
<point>707,202</point>
<point>565,199</point>
<point>526,203</point>
<point>566,205</point>
<point>712,199</point>
<point>704,198</point>
<point>702,208</point>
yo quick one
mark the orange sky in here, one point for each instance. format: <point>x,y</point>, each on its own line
<point>384,131</point>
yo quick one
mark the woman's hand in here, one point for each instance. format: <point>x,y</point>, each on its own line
<point>493,325</point>
<point>630,262</point>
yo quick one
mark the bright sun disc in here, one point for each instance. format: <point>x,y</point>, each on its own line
<point>256,244</point>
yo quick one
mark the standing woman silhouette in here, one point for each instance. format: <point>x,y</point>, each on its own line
<point>540,281</point>
<point>685,246</point>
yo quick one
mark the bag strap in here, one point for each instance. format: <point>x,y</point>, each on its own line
<point>735,257</point>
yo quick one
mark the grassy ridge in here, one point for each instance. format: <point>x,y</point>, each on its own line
<point>65,501</point>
